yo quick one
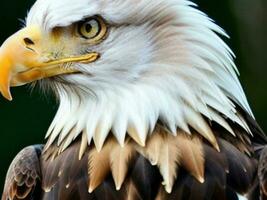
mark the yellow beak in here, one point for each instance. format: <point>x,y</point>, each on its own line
<point>21,60</point>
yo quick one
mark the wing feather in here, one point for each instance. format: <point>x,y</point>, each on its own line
<point>24,174</point>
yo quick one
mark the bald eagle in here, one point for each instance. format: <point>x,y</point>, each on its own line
<point>150,105</point>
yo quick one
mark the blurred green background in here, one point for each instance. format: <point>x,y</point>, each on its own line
<point>25,120</point>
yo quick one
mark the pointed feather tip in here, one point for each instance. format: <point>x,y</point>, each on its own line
<point>153,162</point>
<point>118,187</point>
<point>136,136</point>
<point>216,146</point>
<point>91,189</point>
<point>200,179</point>
<point>83,146</point>
<point>141,143</point>
<point>120,140</point>
<point>98,146</point>
<point>231,131</point>
<point>118,183</point>
<point>168,188</point>
<point>48,133</point>
<point>47,189</point>
<point>100,136</point>
<point>213,141</point>
<point>80,156</point>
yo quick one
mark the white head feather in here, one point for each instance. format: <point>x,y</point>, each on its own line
<point>162,60</point>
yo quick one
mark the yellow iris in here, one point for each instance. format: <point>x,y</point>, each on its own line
<point>93,29</point>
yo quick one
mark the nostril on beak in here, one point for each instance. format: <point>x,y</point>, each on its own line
<point>28,41</point>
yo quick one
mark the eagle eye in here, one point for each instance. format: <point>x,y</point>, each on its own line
<point>93,29</point>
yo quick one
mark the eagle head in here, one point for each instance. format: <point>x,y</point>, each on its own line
<point>121,66</point>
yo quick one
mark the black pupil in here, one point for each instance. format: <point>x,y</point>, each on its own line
<point>88,27</point>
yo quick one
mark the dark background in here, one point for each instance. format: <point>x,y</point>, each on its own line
<point>25,120</point>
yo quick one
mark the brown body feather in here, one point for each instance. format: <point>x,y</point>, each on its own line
<point>181,167</point>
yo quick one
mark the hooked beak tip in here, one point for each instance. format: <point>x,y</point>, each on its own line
<point>5,91</point>
<point>5,76</point>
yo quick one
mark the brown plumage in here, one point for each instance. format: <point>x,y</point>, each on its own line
<point>25,174</point>
<point>192,155</point>
<point>262,173</point>
<point>98,166</point>
<point>120,158</point>
<point>168,167</point>
<point>162,150</point>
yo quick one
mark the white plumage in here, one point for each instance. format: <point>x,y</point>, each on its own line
<point>176,69</point>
